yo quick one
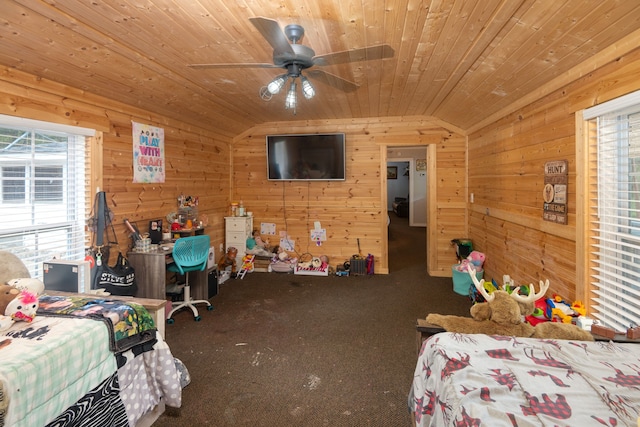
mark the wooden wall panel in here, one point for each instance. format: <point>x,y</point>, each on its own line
<point>356,208</point>
<point>197,160</point>
<point>505,174</point>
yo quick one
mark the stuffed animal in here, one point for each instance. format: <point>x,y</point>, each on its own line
<point>5,322</point>
<point>502,314</point>
<point>24,307</point>
<point>19,305</point>
<point>7,294</point>
<point>28,284</point>
<point>11,267</point>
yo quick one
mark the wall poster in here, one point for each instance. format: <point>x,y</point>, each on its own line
<point>148,153</point>
<point>555,191</point>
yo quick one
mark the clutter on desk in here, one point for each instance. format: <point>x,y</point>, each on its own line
<point>186,217</point>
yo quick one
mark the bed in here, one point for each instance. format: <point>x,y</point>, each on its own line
<point>86,361</point>
<point>483,380</point>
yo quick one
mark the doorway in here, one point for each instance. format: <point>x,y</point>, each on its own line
<point>411,184</point>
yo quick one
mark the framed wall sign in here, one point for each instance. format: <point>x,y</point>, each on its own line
<point>392,172</point>
<point>554,192</point>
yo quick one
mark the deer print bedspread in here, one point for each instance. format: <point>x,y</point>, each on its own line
<point>481,380</point>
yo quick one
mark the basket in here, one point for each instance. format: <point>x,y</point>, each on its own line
<point>462,282</point>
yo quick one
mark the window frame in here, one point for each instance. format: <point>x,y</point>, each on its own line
<point>616,282</point>
<point>63,169</point>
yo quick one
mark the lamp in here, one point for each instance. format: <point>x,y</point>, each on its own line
<point>291,100</point>
<point>307,90</point>
<point>294,70</point>
<point>276,84</point>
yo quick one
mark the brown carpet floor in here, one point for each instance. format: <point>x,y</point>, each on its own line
<point>287,350</point>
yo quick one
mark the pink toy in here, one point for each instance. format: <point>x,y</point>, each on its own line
<point>475,259</point>
<point>23,307</point>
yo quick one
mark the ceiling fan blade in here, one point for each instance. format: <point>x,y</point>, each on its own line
<point>272,32</point>
<point>233,65</point>
<point>363,54</point>
<point>332,80</point>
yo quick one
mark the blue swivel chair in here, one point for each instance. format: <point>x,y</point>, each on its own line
<point>189,254</point>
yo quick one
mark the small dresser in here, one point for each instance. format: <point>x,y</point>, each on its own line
<point>237,230</point>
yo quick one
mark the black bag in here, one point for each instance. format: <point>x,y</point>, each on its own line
<point>117,280</point>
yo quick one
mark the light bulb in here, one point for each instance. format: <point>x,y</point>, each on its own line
<point>292,98</point>
<point>307,89</point>
<point>276,85</point>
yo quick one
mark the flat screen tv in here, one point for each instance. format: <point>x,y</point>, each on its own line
<point>311,157</point>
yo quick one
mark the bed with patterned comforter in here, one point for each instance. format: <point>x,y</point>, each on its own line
<point>481,380</point>
<point>85,361</point>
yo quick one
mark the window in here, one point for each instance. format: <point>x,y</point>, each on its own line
<point>13,184</point>
<point>614,130</point>
<point>42,191</point>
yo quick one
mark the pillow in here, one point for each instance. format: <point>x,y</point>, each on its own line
<point>11,267</point>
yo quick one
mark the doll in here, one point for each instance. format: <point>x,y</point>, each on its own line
<point>228,259</point>
<point>256,246</point>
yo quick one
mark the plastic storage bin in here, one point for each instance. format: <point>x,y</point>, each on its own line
<point>462,281</point>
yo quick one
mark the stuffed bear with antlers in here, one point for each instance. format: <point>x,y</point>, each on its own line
<point>502,314</point>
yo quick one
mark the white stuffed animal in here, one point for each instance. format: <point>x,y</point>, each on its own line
<point>24,307</point>
<point>5,322</point>
<point>28,284</point>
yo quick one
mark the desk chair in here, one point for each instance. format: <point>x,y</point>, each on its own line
<point>189,254</point>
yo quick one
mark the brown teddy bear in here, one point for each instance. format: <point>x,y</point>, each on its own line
<point>502,314</point>
<point>7,294</point>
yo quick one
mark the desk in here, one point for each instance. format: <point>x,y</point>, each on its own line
<point>151,275</point>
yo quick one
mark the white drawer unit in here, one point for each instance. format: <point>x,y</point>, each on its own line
<point>237,230</point>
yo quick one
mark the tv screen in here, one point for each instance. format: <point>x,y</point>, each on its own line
<point>313,157</point>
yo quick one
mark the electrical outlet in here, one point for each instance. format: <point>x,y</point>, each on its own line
<point>471,197</point>
<point>221,248</point>
<point>487,212</point>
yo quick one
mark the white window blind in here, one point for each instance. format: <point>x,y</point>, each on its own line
<point>42,195</point>
<point>615,214</point>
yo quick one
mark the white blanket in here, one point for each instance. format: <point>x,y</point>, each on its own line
<point>480,380</point>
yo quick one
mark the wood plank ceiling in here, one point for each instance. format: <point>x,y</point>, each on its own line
<point>459,60</point>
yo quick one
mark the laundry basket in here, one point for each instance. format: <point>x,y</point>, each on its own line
<point>462,281</point>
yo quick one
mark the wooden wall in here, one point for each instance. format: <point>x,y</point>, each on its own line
<point>356,208</point>
<point>506,162</point>
<point>197,160</point>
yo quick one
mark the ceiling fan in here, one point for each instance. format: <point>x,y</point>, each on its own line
<point>294,57</point>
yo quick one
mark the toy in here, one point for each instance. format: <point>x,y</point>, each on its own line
<point>247,265</point>
<point>475,259</point>
<point>5,322</point>
<point>11,267</point>
<point>28,284</point>
<point>7,294</point>
<point>228,259</point>
<point>502,314</point>
<point>558,308</point>
<point>23,306</point>
<point>256,246</point>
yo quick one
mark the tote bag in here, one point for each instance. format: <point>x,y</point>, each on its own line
<point>117,280</point>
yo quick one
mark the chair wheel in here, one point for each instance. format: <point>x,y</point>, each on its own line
<point>170,321</point>
<point>197,318</point>
<point>210,307</point>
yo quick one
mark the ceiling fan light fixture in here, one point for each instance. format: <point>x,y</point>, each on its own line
<point>277,84</point>
<point>307,89</point>
<point>291,100</point>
